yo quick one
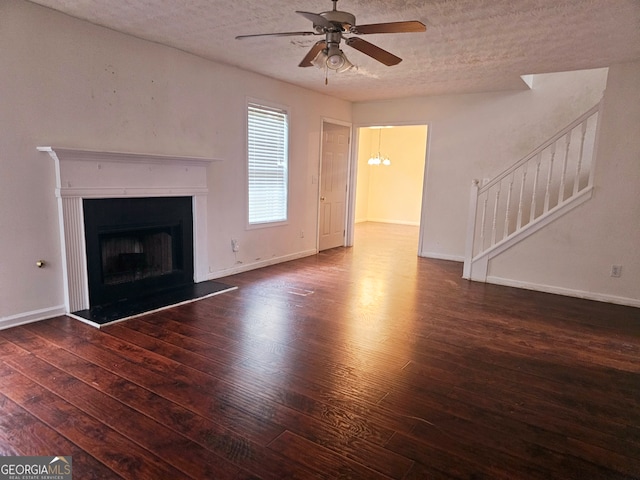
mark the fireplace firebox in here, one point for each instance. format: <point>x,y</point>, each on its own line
<point>137,247</point>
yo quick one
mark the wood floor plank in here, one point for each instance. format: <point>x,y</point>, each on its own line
<point>218,440</point>
<point>203,398</point>
<point>183,454</point>
<point>337,428</point>
<point>322,461</point>
<point>117,452</point>
<point>23,434</point>
<point>364,362</point>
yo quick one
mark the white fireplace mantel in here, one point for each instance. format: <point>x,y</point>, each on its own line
<point>84,174</point>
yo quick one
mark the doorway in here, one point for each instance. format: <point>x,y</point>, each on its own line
<point>391,168</point>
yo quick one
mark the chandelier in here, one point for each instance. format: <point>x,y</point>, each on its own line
<point>378,158</point>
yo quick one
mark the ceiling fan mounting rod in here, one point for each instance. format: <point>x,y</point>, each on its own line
<point>333,37</point>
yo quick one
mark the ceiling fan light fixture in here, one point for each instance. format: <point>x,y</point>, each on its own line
<point>346,64</point>
<point>336,60</point>
<point>335,57</point>
<point>320,60</point>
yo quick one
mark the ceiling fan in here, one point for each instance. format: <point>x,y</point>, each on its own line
<point>333,24</point>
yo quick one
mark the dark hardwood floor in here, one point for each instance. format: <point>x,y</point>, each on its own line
<point>362,363</point>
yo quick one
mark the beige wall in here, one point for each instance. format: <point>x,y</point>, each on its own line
<point>391,194</point>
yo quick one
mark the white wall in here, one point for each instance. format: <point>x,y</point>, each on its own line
<point>68,83</point>
<point>576,253</point>
<point>65,82</point>
<point>476,136</point>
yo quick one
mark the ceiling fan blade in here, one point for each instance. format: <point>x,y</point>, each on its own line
<point>316,18</point>
<point>306,61</point>
<point>281,34</point>
<point>374,52</point>
<point>391,27</point>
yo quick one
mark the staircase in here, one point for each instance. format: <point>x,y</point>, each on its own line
<point>538,189</point>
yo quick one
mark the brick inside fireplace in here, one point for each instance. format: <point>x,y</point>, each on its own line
<point>137,247</point>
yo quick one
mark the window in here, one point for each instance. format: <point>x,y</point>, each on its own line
<point>268,152</point>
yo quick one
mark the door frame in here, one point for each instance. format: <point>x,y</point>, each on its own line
<point>350,180</point>
<point>353,171</point>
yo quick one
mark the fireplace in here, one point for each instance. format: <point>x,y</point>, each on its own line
<point>137,246</point>
<point>136,252</point>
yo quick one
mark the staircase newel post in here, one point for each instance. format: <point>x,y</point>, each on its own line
<point>471,228</point>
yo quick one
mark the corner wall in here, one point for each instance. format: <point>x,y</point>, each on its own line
<point>574,255</point>
<point>68,83</point>
<point>477,136</point>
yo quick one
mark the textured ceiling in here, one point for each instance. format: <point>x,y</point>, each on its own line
<point>469,45</point>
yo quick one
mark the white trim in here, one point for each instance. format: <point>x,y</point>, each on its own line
<point>277,106</point>
<point>349,212</point>
<point>116,192</point>
<point>442,256</point>
<point>245,267</point>
<point>147,312</point>
<point>97,174</point>
<point>599,297</point>
<point>30,317</point>
<point>471,229</point>
<point>393,222</point>
<point>478,266</point>
<point>352,184</point>
<point>423,200</point>
<point>77,154</point>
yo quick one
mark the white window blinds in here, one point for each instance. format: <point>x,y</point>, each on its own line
<point>268,161</point>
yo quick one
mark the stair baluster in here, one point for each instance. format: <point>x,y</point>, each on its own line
<point>531,216</point>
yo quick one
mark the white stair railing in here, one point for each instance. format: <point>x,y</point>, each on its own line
<point>532,190</point>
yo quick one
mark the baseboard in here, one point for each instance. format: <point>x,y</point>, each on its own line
<point>392,222</point>
<point>245,267</point>
<point>30,317</point>
<point>599,297</point>
<point>442,256</point>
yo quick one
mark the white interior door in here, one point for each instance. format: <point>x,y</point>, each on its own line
<point>333,185</point>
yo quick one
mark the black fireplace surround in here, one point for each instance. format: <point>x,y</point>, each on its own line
<point>137,247</point>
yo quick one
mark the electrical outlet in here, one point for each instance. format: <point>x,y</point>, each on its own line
<point>301,233</point>
<point>616,270</point>
<point>235,246</point>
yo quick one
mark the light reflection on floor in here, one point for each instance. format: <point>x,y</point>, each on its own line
<point>382,267</point>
